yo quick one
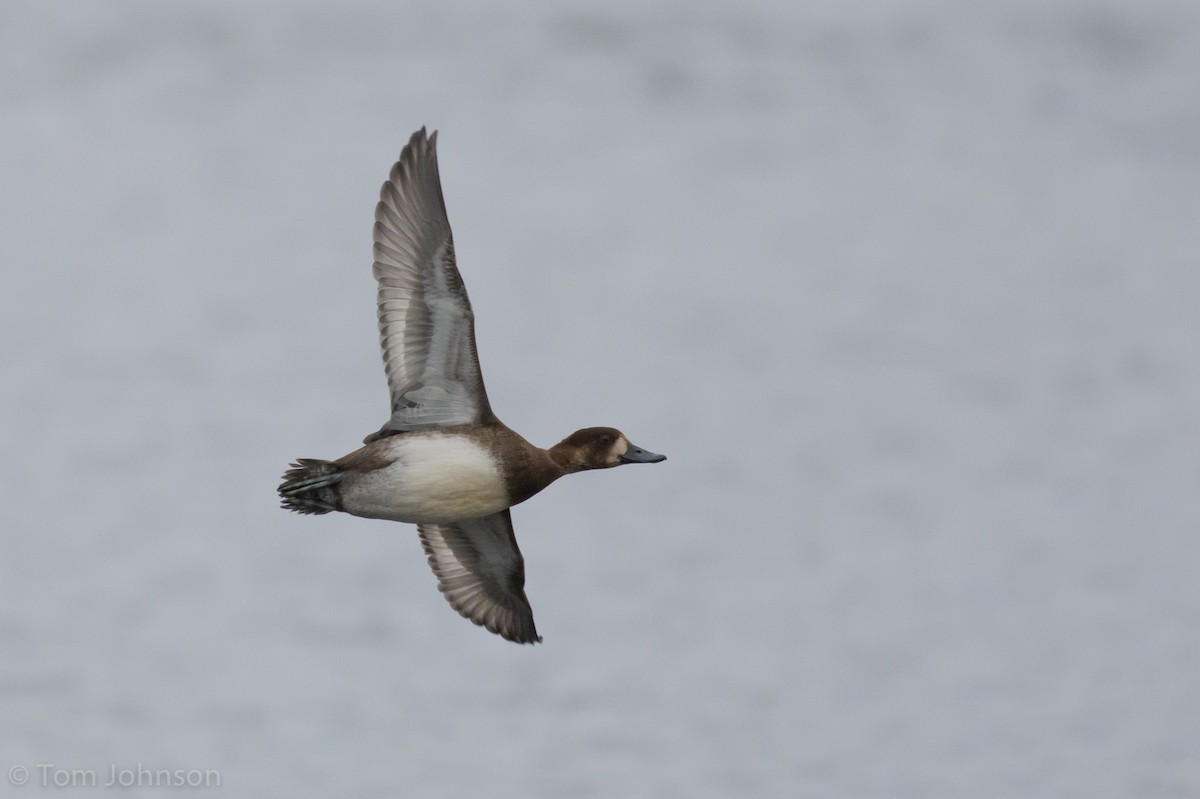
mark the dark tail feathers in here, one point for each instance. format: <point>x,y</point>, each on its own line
<point>311,486</point>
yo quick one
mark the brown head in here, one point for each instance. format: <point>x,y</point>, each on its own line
<point>599,448</point>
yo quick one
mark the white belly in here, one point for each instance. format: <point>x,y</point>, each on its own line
<point>433,479</point>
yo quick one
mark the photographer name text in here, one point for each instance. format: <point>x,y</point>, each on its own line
<point>114,776</point>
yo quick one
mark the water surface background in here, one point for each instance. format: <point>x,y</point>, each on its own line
<point>907,291</point>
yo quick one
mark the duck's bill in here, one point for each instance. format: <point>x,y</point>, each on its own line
<point>639,455</point>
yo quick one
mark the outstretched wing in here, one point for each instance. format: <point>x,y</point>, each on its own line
<point>482,573</point>
<point>426,326</point>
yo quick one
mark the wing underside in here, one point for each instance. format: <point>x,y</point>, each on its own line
<point>482,574</point>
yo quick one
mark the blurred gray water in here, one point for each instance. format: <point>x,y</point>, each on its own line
<point>906,290</point>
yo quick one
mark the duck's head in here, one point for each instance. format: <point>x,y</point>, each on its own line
<point>599,448</point>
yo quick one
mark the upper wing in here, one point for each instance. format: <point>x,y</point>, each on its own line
<point>426,326</point>
<point>482,573</point>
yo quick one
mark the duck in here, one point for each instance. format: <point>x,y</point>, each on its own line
<point>443,460</point>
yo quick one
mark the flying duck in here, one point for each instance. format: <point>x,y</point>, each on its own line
<point>443,461</point>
